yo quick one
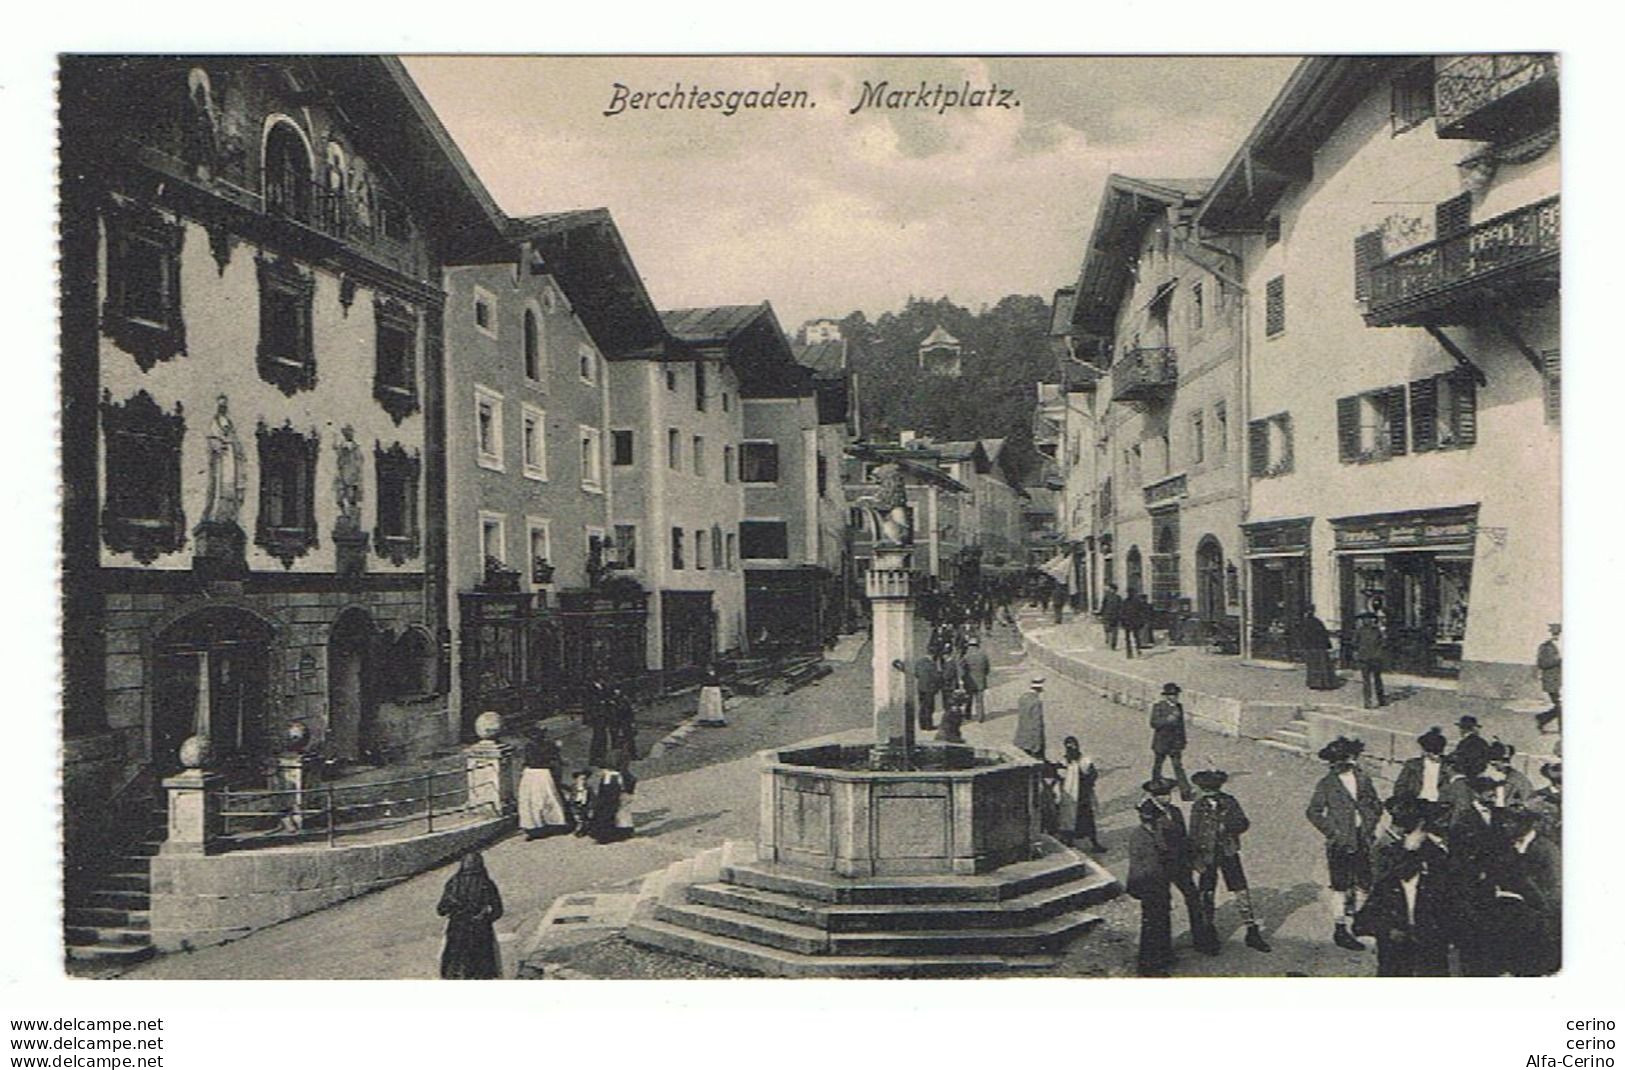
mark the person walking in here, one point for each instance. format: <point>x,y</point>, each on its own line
<point>1078,802</point>
<point>471,905</point>
<point>623,724</point>
<point>1111,614</point>
<point>710,710</point>
<point>1168,738</point>
<point>1344,809</point>
<point>1133,617</point>
<point>1148,880</point>
<point>1177,858</point>
<point>1316,643</point>
<point>1370,653</point>
<point>609,818</point>
<point>541,807</point>
<point>1217,822</point>
<point>977,669</point>
<point>598,712</point>
<point>1549,664</point>
<point>1029,736</point>
<point>927,682</point>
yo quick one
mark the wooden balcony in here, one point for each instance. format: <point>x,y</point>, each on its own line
<point>1510,259</point>
<point>1495,97</point>
<point>1170,489</point>
<point>1145,375</point>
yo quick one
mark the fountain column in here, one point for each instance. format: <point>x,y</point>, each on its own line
<point>890,587</point>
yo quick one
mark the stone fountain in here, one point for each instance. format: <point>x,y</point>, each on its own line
<point>897,857</point>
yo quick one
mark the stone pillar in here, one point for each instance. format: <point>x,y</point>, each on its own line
<point>493,767</point>
<point>294,773</point>
<point>891,598</point>
<point>195,824</point>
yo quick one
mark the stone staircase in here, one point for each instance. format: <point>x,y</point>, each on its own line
<point>107,920</point>
<point>1292,737</point>
<point>725,907</point>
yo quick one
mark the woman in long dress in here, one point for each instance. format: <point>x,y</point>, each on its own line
<point>471,904</point>
<point>541,808</point>
<point>1077,801</point>
<point>610,819</point>
<point>710,713</point>
<point>1317,653</point>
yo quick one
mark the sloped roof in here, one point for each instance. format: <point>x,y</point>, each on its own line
<point>1126,207</point>
<point>718,323</point>
<point>1060,318</point>
<point>824,358</point>
<point>938,337</point>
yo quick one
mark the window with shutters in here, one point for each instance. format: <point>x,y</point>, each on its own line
<point>1269,446</point>
<point>286,354</point>
<point>286,524</point>
<point>1453,216</point>
<point>1444,412</point>
<point>1275,305</point>
<point>1412,97</point>
<point>1371,426</point>
<point>1551,360</point>
<point>1367,255</point>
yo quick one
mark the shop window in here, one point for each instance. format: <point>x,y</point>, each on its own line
<point>395,378</point>
<point>620,446</point>
<point>1411,97</point>
<point>764,540</point>
<point>1444,412</point>
<point>626,545</point>
<point>1269,446</point>
<point>677,549</point>
<point>1371,426</point>
<point>141,312</point>
<point>396,533</point>
<point>286,525</point>
<point>141,497</point>
<point>287,354</point>
<point>1275,305</point>
<point>759,462</point>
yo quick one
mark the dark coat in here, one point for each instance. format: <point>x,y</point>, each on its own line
<point>1333,812</point>
<point>1111,607</point>
<point>1217,822</point>
<point>1312,634</point>
<point>977,669</point>
<point>1136,611</point>
<point>1409,943</point>
<point>1369,649</point>
<point>1409,781</point>
<point>1472,751</point>
<point>1169,737</point>
<point>470,903</point>
<point>1530,927</point>
<point>1148,873</point>
<point>1176,843</point>
<point>1549,659</point>
<point>927,677</point>
<point>1030,723</point>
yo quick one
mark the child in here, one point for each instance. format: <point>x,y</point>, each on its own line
<point>580,802</point>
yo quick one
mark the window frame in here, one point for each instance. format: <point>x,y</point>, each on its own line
<point>1275,307</point>
<point>487,519</point>
<point>674,449</point>
<point>397,396</point>
<point>482,296</point>
<point>728,462</point>
<point>615,440</point>
<point>760,522</point>
<point>149,341</point>
<point>533,414</point>
<point>283,281</point>
<point>542,366</point>
<point>284,452</point>
<point>675,549</point>
<point>1263,430</point>
<point>626,545</point>
<point>544,525</point>
<point>494,461</point>
<point>744,449</point>
<point>393,465</point>
<point>591,440</point>
<point>587,358</point>
<point>697,458</point>
<point>138,421</point>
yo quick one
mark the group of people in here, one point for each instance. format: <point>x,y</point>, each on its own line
<point>598,802</point>
<point>1129,616</point>
<point>1464,854</point>
<point>955,669</point>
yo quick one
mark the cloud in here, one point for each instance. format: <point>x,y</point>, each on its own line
<point>822,211</point>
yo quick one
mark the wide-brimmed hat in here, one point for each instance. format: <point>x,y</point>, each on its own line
<point>1170,688</point>
<point>1149,810</point>
<point>1158,786</point>
<point>1552,770</point>
<point>1467,720</point>
<point>1038,681</point>
<point>1209,779</point>
<point>1432,741</point>
<point>1341,749</point>
<point>1501,752</point>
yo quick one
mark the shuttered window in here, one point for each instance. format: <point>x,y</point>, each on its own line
<point>1453,216</point>
<point>1275,305</point>
<point>1554,395</point>
<point>1444,412</point>
<point>1269,446</point>
<point>1367,254</point>
<point>1425,414</point>
<point>1371,426</point>
<point>1412,99</point>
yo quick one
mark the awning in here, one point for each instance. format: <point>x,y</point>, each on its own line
<point>1058,568</point>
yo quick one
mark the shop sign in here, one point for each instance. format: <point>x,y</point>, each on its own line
<point>1275,537</point>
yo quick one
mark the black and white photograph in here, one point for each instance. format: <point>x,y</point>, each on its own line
<point>560,517</point>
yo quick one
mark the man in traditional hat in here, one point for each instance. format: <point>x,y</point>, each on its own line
<point>1472,749</point>
<point>1345,810</point>
<point>1370,653</point>
<point>1030,721</point>
<point>1515,791</point>
<point>1148,882</point>
<point>1423,776</point>
<point>1409,908</point>
<point>1176,850</point>
<point>974,674</point>
<point>1168,738</point>
<point>1478,848</point>
<point>1549,663</point>
<point>1217,822</point>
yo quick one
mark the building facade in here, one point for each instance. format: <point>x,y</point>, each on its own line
<point>1158,306</point>
<point>253,417</point>
<point>1400,223</point>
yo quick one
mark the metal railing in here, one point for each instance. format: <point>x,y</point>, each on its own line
<point>1469,83</point>
<point>1146,370</point>
<point>1515,238</point>
<point>381,222</point>
<point>329,811</point>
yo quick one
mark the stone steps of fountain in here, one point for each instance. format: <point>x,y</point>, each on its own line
<point>1055,867</point>
<point>745,956</point>
<point>1019,910</point>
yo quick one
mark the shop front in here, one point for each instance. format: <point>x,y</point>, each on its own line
<point>1414,571</point>
<point>1277,553</point>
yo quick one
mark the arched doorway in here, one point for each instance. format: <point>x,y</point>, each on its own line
<point>1210,603</point>
<point>1134,572</point>
<point>350,699</point>
<point>211,675</point>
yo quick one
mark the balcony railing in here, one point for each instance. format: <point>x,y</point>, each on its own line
<point>1163,490</point>
<point>1145,374</point>
<point>1423,284</point>
<point>1490,97</point>
<point>379,225</point>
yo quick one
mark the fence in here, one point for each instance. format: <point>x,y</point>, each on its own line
<point>330,811</point>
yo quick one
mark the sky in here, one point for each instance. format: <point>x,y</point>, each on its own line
<point>820,209</point>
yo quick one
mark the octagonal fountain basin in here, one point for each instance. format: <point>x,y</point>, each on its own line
<point>960,809</point>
